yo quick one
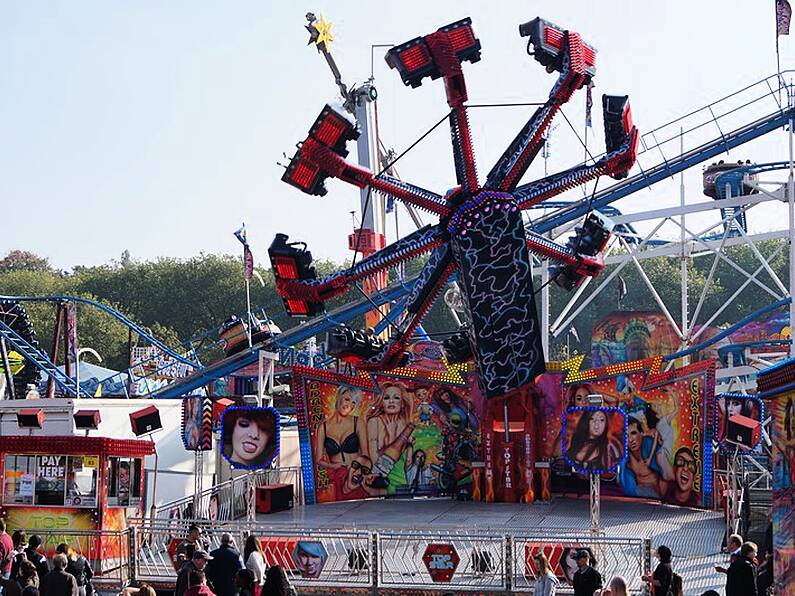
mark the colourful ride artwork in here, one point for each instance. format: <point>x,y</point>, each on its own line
<point>387,435</point>
<point>668,432</point>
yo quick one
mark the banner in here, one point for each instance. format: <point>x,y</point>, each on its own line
<point>595,438</point>
<point>249,436</point>
<point>669,433</point>
<point>197,423</point>
<point>783,509</point>
<point>388,436</point>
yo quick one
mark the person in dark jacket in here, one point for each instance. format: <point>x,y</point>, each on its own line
<point>27,576</point>
<point>77,566</point>
<point>9,587</point>
<point>197,563</point>
<point>58,582</point>
<point>741,577</point>
<point>663,574</point>
<point>223,568</point>
<point>586,579</point>
<point>35,557</point>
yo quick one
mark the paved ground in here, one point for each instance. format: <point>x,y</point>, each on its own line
<point>693,535</point>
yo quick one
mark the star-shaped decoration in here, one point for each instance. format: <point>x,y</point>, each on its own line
<point>320,33</point>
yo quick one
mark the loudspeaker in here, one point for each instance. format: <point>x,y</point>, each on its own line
<point>743,431</point>
<point>219,405</point>
<point>87,419</point>
<point>30,418</point>
<point>274,497</point>
<point>145,421</point>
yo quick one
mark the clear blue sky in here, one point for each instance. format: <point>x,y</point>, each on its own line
<point>155,126</point>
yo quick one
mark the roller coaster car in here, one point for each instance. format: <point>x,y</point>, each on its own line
<point>548,39</point>
<point>712,171</point>
<point>414,60</point>
<point>356,345</point>
<point>290,263</point>
<point>233,334</point>
<point>457,347</point>
<point>589,240</point>
<point>619,133</point>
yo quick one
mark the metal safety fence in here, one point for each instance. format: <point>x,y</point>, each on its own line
<point>108,553</point>
<point>489,561</point>
<point>230,500</point>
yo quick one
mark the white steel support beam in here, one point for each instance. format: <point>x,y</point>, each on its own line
<point>735,266</point>
<point>655,295</point>
<point>557,330</point>
<point>671,249</point>
<point>731,299</point>
<point>763,260</point>
<point>744,201</point>
<point>791,204</point>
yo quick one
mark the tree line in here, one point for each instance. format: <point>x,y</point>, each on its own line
<point>179,298</point>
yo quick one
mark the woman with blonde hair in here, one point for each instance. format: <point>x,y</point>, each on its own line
<point>546,583</point>
<point>342,436</point>
<point>389,429</point>
<point>78,567</point>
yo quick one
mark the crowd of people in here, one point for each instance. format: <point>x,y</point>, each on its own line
<point>225,571</point>
<point>25,570</point>
<point>742,575</point>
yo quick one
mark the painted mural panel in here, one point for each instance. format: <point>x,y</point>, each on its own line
<point>783,406</point>
<point>387,436</point>
<point>668,430</point>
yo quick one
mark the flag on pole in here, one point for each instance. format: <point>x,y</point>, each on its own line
<point>248,256</point>
<point>783,16</point>
<point>248,263</point>
<point>589,104</point>
<point>241,235</point>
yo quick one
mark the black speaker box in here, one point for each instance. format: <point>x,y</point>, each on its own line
<point>30,418</point>
<point>274,497</point>
<point>145,421</point>
<point>87,419</point>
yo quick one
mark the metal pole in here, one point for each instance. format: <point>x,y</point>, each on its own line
<point>154,481</point>
<point>248,328</point>
<point>596,510</point>
<point>683,256</point>
<point>545,309</point>
<point>791,201</point>
<point>260,378</point>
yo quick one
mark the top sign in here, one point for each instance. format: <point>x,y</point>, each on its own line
<point>441,560</point>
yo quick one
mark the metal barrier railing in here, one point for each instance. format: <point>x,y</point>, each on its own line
<point>228,500</point>
<point>476,560</point>
<point>107,552</point>
<point>628,557</point>
<point>487,561</point>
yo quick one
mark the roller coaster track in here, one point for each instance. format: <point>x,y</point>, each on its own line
<point>762,94</point>
<point>112,312</point>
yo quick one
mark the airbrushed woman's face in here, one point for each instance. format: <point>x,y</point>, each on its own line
<point>346,404</point>
<point>392,399</point>
<point>597,425</point>
<point>248,441</point>
<point>581,396</point>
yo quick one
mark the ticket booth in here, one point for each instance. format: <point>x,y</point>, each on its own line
<point>72,483</point>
